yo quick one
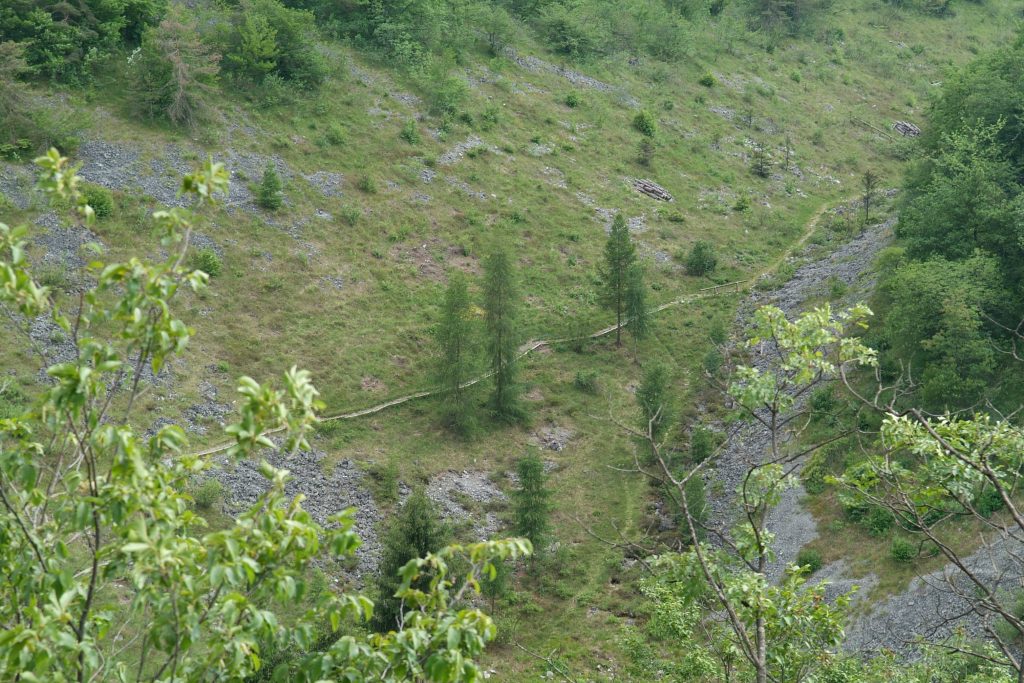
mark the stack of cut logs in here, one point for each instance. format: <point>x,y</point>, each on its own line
<point>906,129</point>
<point>652,189</point>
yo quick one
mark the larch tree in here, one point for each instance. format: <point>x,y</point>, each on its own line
<point>619,257</point>
<point>637,313</point>
<point>174,75</point>
<point>501,310</point>
<point>456,363</point>
<point>652,396</point>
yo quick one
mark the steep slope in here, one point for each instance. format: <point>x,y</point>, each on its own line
<point>345,279</point>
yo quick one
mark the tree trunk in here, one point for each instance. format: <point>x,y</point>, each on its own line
<point>762,652</point>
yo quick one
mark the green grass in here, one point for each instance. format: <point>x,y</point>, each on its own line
<point>271,307</point>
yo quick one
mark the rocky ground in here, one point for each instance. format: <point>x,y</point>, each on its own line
<point>328,490</point>
<point>848,263</point>
<point>464,499</point>
<point>934,606</point>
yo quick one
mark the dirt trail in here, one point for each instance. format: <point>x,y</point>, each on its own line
<point>731,287</point>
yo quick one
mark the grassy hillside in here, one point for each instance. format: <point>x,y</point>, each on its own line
<point>383,200</point>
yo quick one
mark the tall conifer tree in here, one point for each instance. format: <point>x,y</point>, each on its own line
<point>639,324</point>
<point>619,257</point>
<point>501,308</point>
<point>456,362</point>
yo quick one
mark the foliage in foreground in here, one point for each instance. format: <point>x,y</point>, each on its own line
<point>106,572</point>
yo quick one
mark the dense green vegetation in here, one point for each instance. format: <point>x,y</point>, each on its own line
<point>423,189</point>
<point>950,299</point>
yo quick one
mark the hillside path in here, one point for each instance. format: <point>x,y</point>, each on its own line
<point>529,347</point>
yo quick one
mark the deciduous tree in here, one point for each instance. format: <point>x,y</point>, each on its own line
<point>101,548</point>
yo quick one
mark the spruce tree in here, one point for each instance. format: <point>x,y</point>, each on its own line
<point>532,509</point>
<point>619,257</point>
<point>270,195</point>
<point>501,304</point>
<point>456,362</point>
<point>416,530</point>
<point>636,304</point>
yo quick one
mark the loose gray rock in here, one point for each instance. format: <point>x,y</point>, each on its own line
<point>328,491</point>
<point>575,77</point>
<point>457,152</point>
<point>328,182</point>
<point>449,489</point>
<point>16,183</point>
<point>553,437</point>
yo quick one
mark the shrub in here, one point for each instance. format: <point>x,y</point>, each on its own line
<point>902,550</point>
<point>367,184</point>
<point>410,133</point>
<point>270,194</point>
<point>814,472</point>
<point>645,123</point>
<point>206,493</point>
<point>878,521</point>
<point>489,118</point>
<point>809,558</point>
<point>350,214</point>
<point>836,288</point>
<point>12,400</point>
<point>708,80</point>
<point>100,199</point>
<point>445,91</point>
<point>207,261</point>
<point>988,502</point>
<point>712,361</point>
<point>823,401</point>
<point>645,152</point>
<point>572,31</point>
<point>701,259</point>
<point>586,381</point>
<point>702,444</point>
<point>274,90</point>
<point>336,134</point>
<point>573,100</point>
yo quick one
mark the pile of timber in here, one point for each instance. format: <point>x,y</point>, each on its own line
<point>907,130</point>
<point>652,189</point>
